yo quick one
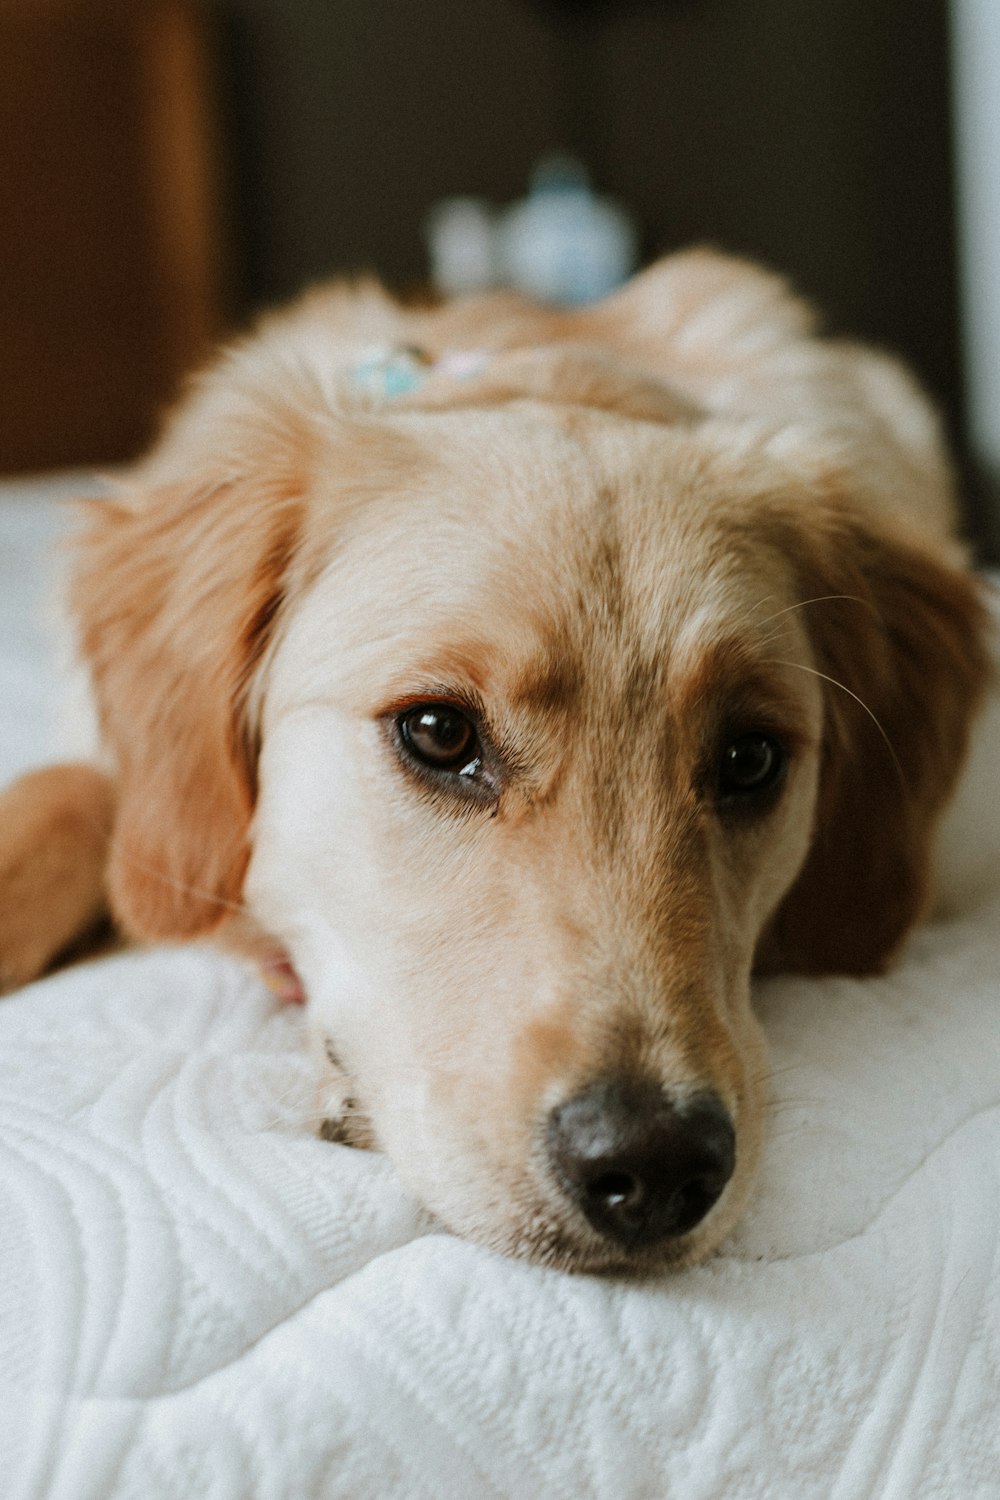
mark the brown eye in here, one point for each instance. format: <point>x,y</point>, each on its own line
<point>751,766</point>
<point>439,736</point>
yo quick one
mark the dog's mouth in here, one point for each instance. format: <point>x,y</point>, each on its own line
<point>573,1248</point>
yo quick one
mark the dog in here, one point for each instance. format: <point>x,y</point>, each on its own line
<point>514,684</point>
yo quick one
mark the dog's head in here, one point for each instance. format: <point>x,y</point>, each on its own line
<point>528,722</point>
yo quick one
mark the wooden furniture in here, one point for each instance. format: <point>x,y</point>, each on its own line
<point>111,243</point>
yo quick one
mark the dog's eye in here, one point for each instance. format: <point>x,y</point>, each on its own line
<point>439,736</point>
<point>751,765</point>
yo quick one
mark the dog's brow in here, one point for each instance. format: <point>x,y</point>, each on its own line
<point>552,684</point>
<point>733,668</point>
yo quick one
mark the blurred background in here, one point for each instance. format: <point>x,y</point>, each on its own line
<point>169,166</point>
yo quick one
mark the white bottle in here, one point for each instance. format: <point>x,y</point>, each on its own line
<point>563,243</point>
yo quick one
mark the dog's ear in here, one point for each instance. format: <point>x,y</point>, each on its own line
<point>176,591</point>
<point>904,655</point>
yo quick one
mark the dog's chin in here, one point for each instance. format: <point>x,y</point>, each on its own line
<point>556,1243</point>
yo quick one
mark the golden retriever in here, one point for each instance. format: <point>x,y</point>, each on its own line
<point>517,682</point>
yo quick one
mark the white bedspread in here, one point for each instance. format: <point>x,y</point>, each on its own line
<point>199,1300</point>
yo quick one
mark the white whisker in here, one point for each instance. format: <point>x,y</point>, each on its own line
<point>859,701</point>
<point>819,599</point>
<point>183,888</point>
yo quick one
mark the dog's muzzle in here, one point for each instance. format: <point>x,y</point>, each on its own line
<point>640,1168</point>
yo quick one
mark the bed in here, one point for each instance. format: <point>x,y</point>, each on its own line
<point>200,1299</point>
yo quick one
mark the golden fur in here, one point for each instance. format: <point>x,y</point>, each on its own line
<point>638,529</point>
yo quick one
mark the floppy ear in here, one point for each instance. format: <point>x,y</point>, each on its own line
<point>907,661</point>
<point>176,593</point>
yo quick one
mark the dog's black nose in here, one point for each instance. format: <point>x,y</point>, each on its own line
<point>641,1168</point>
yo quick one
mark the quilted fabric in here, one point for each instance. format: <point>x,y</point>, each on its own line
<point>198,1299</point>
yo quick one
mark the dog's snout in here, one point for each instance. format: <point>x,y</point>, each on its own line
<point>639,1167</point>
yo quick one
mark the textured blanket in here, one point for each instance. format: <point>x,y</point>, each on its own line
<point>199,1300</point>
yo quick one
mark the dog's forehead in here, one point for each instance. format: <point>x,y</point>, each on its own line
<point>524,549</point>
<point>582,519</point>
<point>594,498</point>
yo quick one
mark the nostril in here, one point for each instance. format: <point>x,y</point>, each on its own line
<point>615,1188</point>
<point>617,1199</point>
<point>640,1167</point>
<point>695,1198</point>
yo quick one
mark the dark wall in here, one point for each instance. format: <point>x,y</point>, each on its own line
<point>810,133</point>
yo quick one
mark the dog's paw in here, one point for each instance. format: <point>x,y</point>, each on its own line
<point>342,1118</point>
<point>18,968</point>
<point>31,933</point>
<point>54,827</point>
